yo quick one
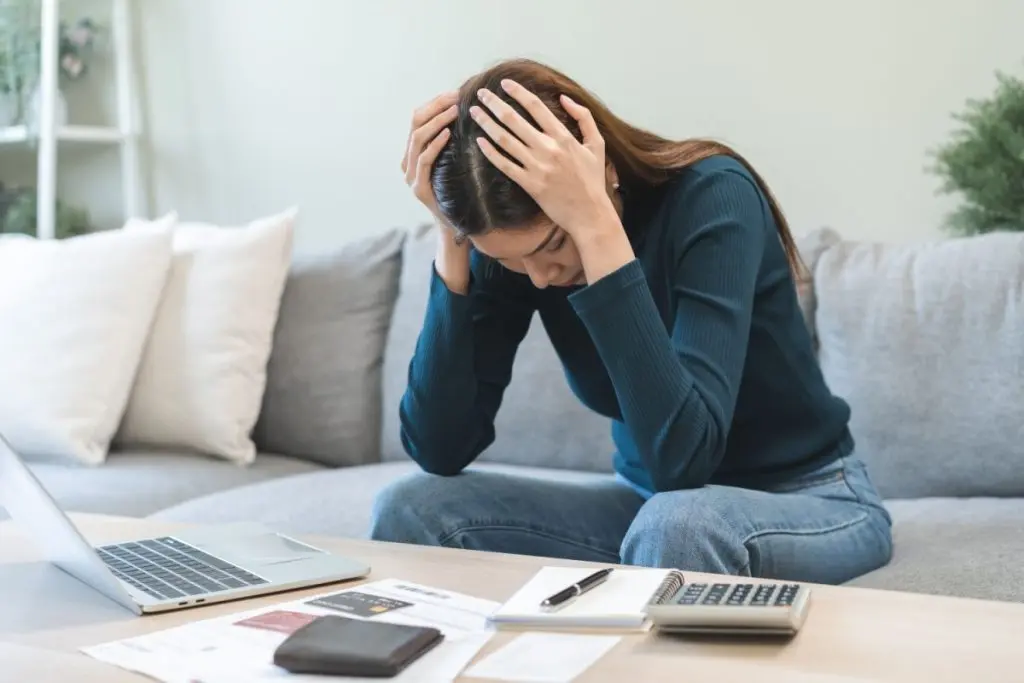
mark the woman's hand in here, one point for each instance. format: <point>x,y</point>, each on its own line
<point>567,179</point>
<point>428,135</point>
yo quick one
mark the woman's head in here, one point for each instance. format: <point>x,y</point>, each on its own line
<point>503,221</point>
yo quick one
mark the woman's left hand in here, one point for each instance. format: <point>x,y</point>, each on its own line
<point>567,179</point>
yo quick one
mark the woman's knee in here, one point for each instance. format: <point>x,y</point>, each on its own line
<point>408,509</point>
<point>686,530</point>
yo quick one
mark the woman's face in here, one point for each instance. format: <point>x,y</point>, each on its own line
<point>541,250</point>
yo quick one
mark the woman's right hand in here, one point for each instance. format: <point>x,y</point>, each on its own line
<point>427,137</point>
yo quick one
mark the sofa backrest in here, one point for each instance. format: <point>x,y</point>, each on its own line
<point>540,422</point>
<point>926,343</point>
<point>323,394</point>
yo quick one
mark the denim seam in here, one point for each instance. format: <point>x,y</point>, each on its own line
<point>445,538</point>
<point>798,532</point>
<point>808,532</point>
<point>855,492</point>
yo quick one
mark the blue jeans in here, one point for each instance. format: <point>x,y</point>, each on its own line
<point>828,526</point>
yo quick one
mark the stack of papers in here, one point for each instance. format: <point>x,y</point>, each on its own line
<point>240,647</point>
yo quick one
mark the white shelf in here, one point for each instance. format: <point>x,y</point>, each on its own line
<point>15,135</point>
<point>50,135</point>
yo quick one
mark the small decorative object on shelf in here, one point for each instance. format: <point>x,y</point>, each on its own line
<point>18,214</point>
<point>39,52</point>
<point>983,162</point>
<point>76,46</point>
<point>76,42</point>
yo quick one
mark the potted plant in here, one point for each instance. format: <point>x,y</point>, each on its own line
<point>983,162</point>
<point>18,209</point>
<point>19,57</point>
<point>20,46</point>
<point>76,42</point>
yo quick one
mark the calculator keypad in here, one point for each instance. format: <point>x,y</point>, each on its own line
<point>716,594</point>
<point>691,594</point>
<point>787,594</point>
<point>763,595</point>
<point>738,594</point>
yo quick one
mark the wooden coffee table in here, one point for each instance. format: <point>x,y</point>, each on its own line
<point>851,634</point>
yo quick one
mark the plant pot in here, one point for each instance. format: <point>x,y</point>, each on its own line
<point>35,103</point>
<point>10,109</point>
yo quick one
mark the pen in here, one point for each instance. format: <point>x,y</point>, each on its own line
<point>566,594</point>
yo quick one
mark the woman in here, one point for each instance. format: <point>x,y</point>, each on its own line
<point>665,275</point>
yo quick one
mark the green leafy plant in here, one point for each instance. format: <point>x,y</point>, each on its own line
<point>983,162</point>
<point>19,45</point>
<point>18,215</point>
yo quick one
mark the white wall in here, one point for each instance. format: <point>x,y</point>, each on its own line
<point>254,105</point>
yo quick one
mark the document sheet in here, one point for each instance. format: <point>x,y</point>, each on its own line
<point>240,647</point>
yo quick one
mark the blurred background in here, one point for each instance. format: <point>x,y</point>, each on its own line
<point>249,106</point>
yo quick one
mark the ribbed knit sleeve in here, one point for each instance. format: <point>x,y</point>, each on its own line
<point>676,381</point>
<point>461,366</point>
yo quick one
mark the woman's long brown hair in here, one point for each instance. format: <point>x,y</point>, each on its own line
<point>476,197</point>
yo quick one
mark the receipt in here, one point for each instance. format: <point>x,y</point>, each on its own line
<point>543,657</point>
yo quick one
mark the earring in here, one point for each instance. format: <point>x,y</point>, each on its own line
<point>615,185</point>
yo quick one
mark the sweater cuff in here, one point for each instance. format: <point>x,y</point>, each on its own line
<point>607,289</point>
<point>449,310</point>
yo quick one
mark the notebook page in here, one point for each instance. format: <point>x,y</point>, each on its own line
<point>620,600</point>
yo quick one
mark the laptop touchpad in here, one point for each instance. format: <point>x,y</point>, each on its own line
<point>262,549</point>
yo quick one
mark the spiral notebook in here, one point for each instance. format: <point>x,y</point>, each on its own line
<point>619,603</point>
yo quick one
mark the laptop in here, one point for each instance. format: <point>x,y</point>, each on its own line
<point>171,572</point>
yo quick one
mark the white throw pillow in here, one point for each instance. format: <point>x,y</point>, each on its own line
<point>202,377</point>
<point>74,318</point>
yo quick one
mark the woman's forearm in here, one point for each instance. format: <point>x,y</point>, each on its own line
<point>604,247</point>
<point>452,261</point>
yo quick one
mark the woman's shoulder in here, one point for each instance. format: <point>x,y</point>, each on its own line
<point>711,173</point>
<point>706,190</point>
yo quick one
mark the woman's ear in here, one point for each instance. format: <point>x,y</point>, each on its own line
<point>611,176</point>
<point>612,182</point>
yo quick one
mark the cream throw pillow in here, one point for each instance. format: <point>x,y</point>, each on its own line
<point>74,318</point>
<point>202,377</point>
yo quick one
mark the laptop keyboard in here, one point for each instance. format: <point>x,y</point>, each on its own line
<point>166,568</point>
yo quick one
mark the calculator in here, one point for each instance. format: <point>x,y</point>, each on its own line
<point>733,608</point>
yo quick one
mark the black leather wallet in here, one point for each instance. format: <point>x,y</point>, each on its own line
<point>340,646</point>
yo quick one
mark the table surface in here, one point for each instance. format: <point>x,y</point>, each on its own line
<point>851,634</point>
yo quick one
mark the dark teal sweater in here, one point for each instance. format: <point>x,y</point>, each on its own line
<point>696,350</point>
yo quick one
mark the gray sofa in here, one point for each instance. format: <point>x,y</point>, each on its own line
<point>926,341</point>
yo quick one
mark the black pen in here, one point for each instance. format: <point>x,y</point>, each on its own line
<point>565,595</point>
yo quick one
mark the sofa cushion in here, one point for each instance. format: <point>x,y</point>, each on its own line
<point>335,503</point>
<point>202,376</point>
<point>74,318</point>
<point>962,547</point>
<point>926,342</point>
<point>136,483</point>
<point>540,422</point>
<point>323,396</point>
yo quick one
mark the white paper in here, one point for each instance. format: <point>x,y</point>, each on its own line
<point>618,603</point>
<point>220,650</point>
<point>544,657</point>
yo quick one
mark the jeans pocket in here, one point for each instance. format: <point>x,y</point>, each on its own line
<point>860,484</point>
